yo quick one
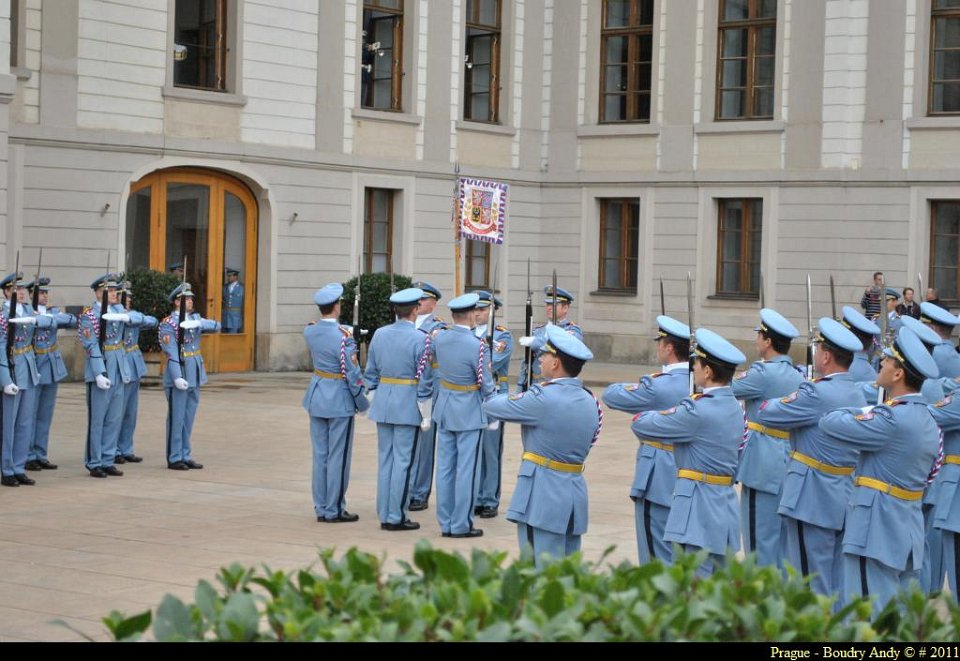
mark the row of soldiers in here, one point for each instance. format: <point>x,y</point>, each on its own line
<point>32,366</point>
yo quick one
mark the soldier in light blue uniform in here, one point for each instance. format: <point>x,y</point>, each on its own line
<point>763,458</point>
<point>105,375</point>
<point>946,513</point>
<point>138,369</point>
<point>182,381</point>
<point>942,323</point>
<point>656,473</point>
<point>491,454</point>
<point>333,398</point>
<point>562,302</point>
<point>705,430</point>
<point>861,370</point>
<point>52,370</point>
<point>561,421</point>
<point>932,390</point>
<point>232,303</point>
<point>398,374</point>
<point>818,482</point>
<point>426,442</point>
<point>900,446</point>
<point>463,381</point>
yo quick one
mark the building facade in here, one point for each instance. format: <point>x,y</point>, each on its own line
<point>642,140</point>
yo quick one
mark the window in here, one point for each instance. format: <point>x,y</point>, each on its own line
<point>200,45</point>
<point>381,71</point>
<point>378,230</point>
<point>619,243</point>
<point>746,60</point>
<point>481,94</point>
<point>738,247</point>
<point>626,55</point>
<point>16,35</point>
<point>478,265</point>
<point>945,248</point>
<point>945,57</point>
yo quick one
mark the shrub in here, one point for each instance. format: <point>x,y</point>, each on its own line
<point>374,300</point>
<point>445,597</point>
<point>150,290</point>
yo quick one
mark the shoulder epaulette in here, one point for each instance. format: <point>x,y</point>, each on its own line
<point>311,323</point>
<point>656,374</point>
<point>501,328</point>
<point>346,330</point>
<point>86,309</point>
<point>700,395</point>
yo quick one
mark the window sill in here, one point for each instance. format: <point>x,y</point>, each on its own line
<point>740,126</point>
<point>734,297</point>
<point>484,127</point>
<point>204,96</point>
<point>22,73</point>
<point>933,122</point>
<point>617,129</point>
<point>615,293</point>
<point>386,116</point>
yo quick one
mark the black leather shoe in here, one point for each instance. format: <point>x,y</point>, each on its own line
<point>404,525</point>
<point>473,532</point>
<point>486,512</point>
<point>23,479</point>
<point>344,517</point>
<point>444,534</point>
<point>119,459</point>
<point>192,464</point>
<point>33,465</point>
<point>178,466</point>
<point>47,465</point>
<point>417,505</point>
<point>9,481</point>
<point>112,470</point>
<point>131,459</point>
<point>97,472</point>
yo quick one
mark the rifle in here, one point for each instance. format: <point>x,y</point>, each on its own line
<point>11,313</point>
<point>358,332</point>
<point>182,314</point>
<point>812,333</point>
<point>528,330</point>
<point>554,307</point>
<point>492,321</point>
<point>663,302</point>
<point>833,298</point>
<point>884,319</point>
<point>920,290</point>
<point>36,284</point>
<point>104,308</point>
<point>693,339</point>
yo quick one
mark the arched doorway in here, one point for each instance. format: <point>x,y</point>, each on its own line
<point>210,219</point>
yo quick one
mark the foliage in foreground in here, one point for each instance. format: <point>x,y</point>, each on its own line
<point>445,597</point>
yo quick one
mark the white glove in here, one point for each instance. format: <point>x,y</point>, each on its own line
<point>116,316</point>
<point>103,382</point>
<point>494,426</point>
<point>126,380</point>
<point>190,323</point>
<point>26,321</point>
<point>426,407</point>
<point>525,341</point>
<point>11,390</point>
<point>181,383</point>
<point>370,394</point>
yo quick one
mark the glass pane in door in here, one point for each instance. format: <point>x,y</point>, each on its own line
<point>188,229</point>
<point>234,263</point>
<point>137,250</point>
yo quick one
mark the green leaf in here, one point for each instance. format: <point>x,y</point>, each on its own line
<point>239,619</point>
<point>552,599</point>
<point>127,628</point>
<point>173,622</point>
<point>207,599</point>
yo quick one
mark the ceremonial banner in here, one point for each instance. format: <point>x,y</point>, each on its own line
<point>483,209</point>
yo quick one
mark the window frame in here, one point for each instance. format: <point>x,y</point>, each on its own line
<point>396,67</point>
<point>232,94</point>
<point>368,223</point>
<point>221,49</point>
<point>633,32</point>
<point>954,296</point>
<point>468,257</point>
<point>626,243</point>
<point>752,24</point>
<point>496,31</point>
<point>952,12</point>
<point>749,212</point>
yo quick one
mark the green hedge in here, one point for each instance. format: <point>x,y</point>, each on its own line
<point>374,300</point>
<point>444,597</point>
<point>150,291</point>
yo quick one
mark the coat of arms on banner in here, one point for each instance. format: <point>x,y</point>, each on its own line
<point>483,209</point>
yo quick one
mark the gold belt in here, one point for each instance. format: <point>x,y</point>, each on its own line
<point>697,476</point>
<point>190,354</point>
<point>434,365</point>
<point>952,459</point>
<point>41,351</point>
<point>820,466</point>
<point>551,464</point>
<point>504,379</point>
<point>22,350</point>
<point>327,375</point>
<point>776,433</point>
<point>113,347</point>
<point>473,387</point>
<point>134,347</point>
<point>880,485</point>
<point>657,444</point>
<point>398,382</point>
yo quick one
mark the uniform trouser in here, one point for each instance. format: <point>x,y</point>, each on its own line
<point>951,560</point>
<point>23,429</point>
<point>546,545</point>
<point>104,413</point>
<point>931,574</point>
<point>761,524</point>
<point>651,520</point>
<point>422,477</point>
<point>128,426</point>
<point>866,577</point>
<point>397,445</point>
<point>816,552</point>
<point>458,454</point>
<point>43,406</point>
<point>491,462</point>
<point>181,410</point>
<point>8,420</point>
<point>713,562</point>
<point>332,441</point>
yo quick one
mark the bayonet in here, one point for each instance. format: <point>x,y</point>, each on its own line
<point>36,283</point>
<point>182,314</point>
<point>554,306</point>
<point>833,298</point>
<point>921,292</point>
<point>104,308</point>
<point>528,331</point>
<point>663,301</point>
<point>11,313</point>
<point>884,329</point>
<point>693,355</point>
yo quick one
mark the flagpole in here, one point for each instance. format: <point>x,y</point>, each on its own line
<point>457,242</point>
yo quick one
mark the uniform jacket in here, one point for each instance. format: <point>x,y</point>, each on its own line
<point>192,368</point>
<point>131,343</point>
<point>50,363</point>
<point>110,361</point>
<point>462,361</point>
<point>538,342</point>
<point>502,350</point>
<point>398,351</point>
<point>946,513</point>
<point>233,306</point>
<point>333,351</point>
